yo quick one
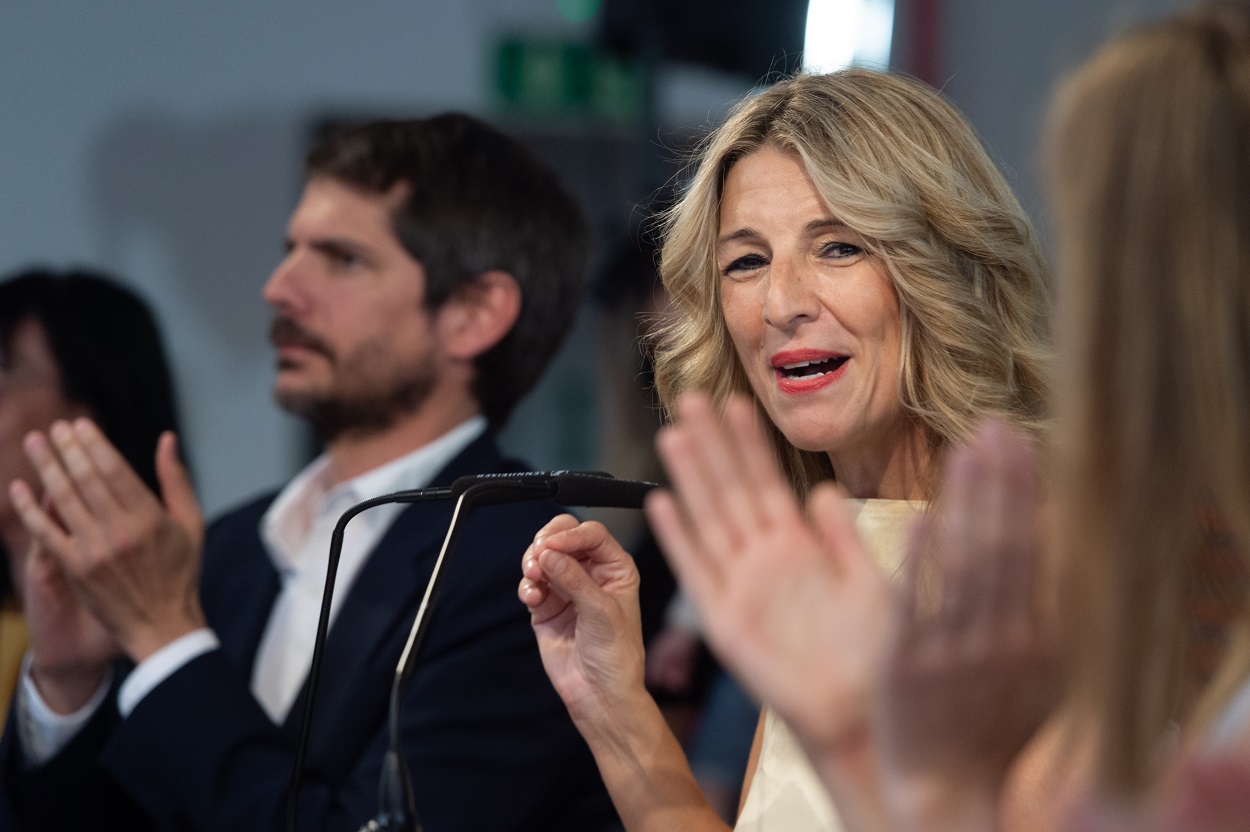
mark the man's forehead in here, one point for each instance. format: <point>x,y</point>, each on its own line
<point>391,198</point>
<point>330,201</point>
<point>335,215</point>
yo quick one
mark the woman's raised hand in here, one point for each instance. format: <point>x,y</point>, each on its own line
<point>968,676</point>
<point>790,600</point>
<point>581,588</point>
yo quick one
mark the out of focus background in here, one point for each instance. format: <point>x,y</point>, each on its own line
<point>162,141</point>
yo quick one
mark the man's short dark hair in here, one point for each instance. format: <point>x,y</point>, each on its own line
<point>479,201</point>
<point>108,351</point>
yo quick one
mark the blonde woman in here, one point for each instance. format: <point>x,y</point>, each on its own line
<point>848,257</point>
<point>1151,179</point>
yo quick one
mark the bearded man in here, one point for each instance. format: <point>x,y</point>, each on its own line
<point>432,270</point>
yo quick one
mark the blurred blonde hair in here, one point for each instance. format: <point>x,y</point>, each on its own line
<point>1150,154</point>
<point>898,165</point>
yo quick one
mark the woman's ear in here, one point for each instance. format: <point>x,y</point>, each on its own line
<point>478,316</point>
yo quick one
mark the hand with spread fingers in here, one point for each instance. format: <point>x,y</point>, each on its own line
<point>790,601</point>
<point>968,678</point>
<point>131,558</point>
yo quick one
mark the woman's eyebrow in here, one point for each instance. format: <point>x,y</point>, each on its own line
<point>813,227</point>
<point>740,234</point>
<point>830,224</point>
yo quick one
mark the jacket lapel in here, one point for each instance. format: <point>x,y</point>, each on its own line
<point>239,584</point>
<point>361,649</point>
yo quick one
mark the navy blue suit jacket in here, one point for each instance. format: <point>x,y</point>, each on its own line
<point>488,742</point>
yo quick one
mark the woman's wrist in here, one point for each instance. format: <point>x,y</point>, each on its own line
<point>622,728</point>
<point>646,772</point>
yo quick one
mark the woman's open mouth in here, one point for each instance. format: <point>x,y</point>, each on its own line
<point>802,371</point>
<point>811,369</point>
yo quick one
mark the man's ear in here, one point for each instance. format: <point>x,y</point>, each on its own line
<point>478,316</point>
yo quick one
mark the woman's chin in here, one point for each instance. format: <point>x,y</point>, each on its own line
<point>817,442</point>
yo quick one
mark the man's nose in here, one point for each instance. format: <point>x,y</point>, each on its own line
<point>283,290</point>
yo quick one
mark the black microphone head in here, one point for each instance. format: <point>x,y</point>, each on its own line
<point>595,490</point>
<point>523,480</point>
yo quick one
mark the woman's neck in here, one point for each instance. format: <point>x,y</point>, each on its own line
<point>898,469</point>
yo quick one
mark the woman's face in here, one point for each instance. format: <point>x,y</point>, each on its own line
<point>813,316</point>
<point>30,399</point>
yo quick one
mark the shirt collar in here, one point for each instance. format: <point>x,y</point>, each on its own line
<point>309,497</point>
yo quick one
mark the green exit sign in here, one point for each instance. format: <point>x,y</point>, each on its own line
<point>559,78</point>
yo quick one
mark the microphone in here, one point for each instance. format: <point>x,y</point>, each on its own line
<point>590,489</point>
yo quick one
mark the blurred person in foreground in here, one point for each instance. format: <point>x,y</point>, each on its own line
<point>432,269</point>
<point>847,257</point>
<point>1151,193</point>
<point>72,344</point>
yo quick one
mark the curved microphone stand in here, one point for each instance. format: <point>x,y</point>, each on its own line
<point>397,812</point>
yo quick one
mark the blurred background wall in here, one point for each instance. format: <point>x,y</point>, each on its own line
<point>162,141</point>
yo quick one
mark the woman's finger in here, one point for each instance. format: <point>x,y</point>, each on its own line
<point>568,579</point>
<point>589,541</point>
<point>532,593</point>
<point>731,494</point>
<point>771,497</point>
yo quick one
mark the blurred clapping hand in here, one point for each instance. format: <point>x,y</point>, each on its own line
<point>969,675</point>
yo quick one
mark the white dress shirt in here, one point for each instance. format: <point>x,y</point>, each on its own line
<point>296,532</point>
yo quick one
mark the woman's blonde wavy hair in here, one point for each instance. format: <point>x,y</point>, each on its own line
<point>897,164</point>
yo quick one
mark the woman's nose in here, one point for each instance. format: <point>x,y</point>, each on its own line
<point>790,297</point>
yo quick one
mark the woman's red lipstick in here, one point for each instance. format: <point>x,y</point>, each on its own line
<point>804,371</point>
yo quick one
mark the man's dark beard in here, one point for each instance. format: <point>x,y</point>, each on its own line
<point>335,417</point>
<point>358,416</point>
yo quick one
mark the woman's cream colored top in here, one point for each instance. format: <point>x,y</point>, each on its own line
<point>786,795</point>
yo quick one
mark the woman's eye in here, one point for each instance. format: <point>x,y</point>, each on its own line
<point>841,251</point>
<point>747,263</point>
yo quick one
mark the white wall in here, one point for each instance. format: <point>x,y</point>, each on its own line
<point>1002,59</point>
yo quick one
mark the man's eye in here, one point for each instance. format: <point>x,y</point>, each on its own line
<point>747,263</point>
<point>344,259</point>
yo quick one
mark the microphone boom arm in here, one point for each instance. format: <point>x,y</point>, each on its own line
<point>571,488</point>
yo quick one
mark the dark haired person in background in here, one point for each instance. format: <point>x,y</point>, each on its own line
<point>71,344</point>
<point>432,269</point>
